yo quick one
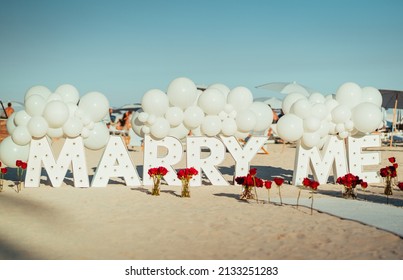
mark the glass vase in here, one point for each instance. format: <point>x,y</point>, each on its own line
<point>247,193</point>
<point>185,189</point>
<point>156,188</point>
<point>349,192</point>
<point>388,187</point>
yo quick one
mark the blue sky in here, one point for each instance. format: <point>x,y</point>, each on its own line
<point>123,48</point>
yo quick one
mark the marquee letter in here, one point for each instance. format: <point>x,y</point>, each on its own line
<point>151,159</point>
<point>333,154</point>
<point>217,154</point>
<point>243,156</point>
<point>115,162</point>
<point>357,159</point>
<point>72,152</point>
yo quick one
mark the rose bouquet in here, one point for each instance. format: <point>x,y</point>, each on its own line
<point>389,173</point>
<point>21,167</point>
<point>350,182</point>
<point>249,182</point>
<point>185,175</point>
<point>156,173</point>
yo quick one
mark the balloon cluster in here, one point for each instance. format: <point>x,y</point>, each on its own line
<point>56,115</point>
<point>215,111</point>
<point>352,110</point>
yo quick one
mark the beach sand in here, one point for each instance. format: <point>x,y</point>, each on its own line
<point>119,222</point>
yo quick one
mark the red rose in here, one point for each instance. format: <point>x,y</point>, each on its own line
<point>400,185</point>
<point>395,165</point>
<point>267,184</point>
<point>258,182</point>
<point>306,182</point>
<point>364,185</point>
<point>18,163</point>
<point>240,180</point>
<point>249,181</point>
<point>252,171</point>
<point>279,181</point>
<point>24,165</point>
<point>151,172</point>
<point>392,159</point>
<point>314,185</point>
<point>181,174</point>
<point>4,170</point>
<point>162,171</point>
<point>193,171</point>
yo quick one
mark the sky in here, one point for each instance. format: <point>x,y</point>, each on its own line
<point>124,48</point>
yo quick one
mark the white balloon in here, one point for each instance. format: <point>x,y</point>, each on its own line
<point>143,117</point>
<point>34,105</point>
<point>38,90</point>
<point>179,132</point>
<point>324,129</point>
<point>290,127</point>
<point>221,87</point>
<point>10,123</point>
<point>264,116</point>
<point>90,126</point>
<point>316,97</point>
<point>54,97</point>
<point>151,119</point>
<point>310,139</point>
<point>228,108</point>
<point>212,101</point>
<point>10,152</point>
<point>366,117</point>
<point>73,127</point>
<point>311,124</point>
<point>343,134</point>
<point>55,132</point>
<point>241,135</point>
<point>21,118</point>
<point>72,109</point>
<point>332,128</point>
<point>56,113</point>
<point>145,129</point>
<point>240,98</point>
<point>228,127</point>
<point>246,121</point>
<point>193,117</point>
<point>289,100</point>
<point>38,127</point>
<point>95,104</point>
<point>137,125</point>
<point>98,137</point>
<point>211,125</point>
<point>349,94</point>
<point>182,93</point>
<point>174,116</point>
<point>223,115</point>
<point>160,128</point>
<point>320,111</point>
<point>68,93</point>
<point>85,119</point>
<point>340,127</point>
<point>155,102</point>
<point>301,108</point>
<point>341,113</point>
<point>372,95</point>
<point>21,135</point>
<point>331,104</point>
<point>85,133</point>
<point>349,125</point>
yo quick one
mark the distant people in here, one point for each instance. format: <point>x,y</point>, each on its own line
<point>9,110</point>
<point>124,124</point>
<point>112,118</point>
<point>275,119</point>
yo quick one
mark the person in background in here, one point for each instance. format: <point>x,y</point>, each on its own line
<point>124,124</point>
<point>9,110</point>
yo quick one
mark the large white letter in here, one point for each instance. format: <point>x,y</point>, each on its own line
<point>333,154</point>
<point>115,162</point>
<point>243,156</point>
<point>72,152</point>
<point>217,153</point>
<point>357,159</point>
<point>151,159</point>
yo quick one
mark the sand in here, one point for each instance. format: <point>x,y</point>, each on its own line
<point>120,222</point>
